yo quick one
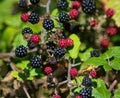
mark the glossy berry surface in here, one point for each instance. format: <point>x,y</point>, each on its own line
<point>33,18</point>
<point>88,6</point>
<point>73,13</point>
<point>86,81</point>
<point>93,73</point>
<point>56,96</point>
<point>22,3</point>
<point>35,62</point>
<point>62,4</point>
<point>35,38</point>
<point>62,43</point>
<point>86,92</point>
<point>34,1</point>
<point>21,51</point>
<point>24,17</point>
<point>27,30</point>
<point>48,70</point>
<point>48,24</point>
<point>63,17</point>
<point>111,31</point>
<point>76,5</point>
<point>110,12</point>
<point>73,72</point>
<point>69,42</point>
<point>31,45</point>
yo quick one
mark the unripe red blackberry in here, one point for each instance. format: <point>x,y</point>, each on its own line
<point>111,31</point>
<point>21,51</point>
<point>110,12</point>
<point>33,18</point>
<point>78,97</point>
<point>35,62</point>
<point>62,43</point>
<point>73,72</point>
<point>56,96</point>
<point>93,73</point>
<point>104,43</point>
<point>35,38</point>
<point>93,23</point>
<point>24,17</point>
<point>34,1</point>
<point>48,70</point>
<point>69,42</point>
<point>76,5</point>
<point>74,13</point>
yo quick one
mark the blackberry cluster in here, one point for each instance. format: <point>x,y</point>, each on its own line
<point>31,45</point>
<point>86,92</point>
<point>59,52</point>
<point>22,3</point>
<point>35,62</point>
<point>27,30</point>
<point>63,17</point>
<point>86,81</point>
<point>50,45</point>
<point>34,1</point>
<point>21,51</point>
<point>88,6</point>
<point>95,53</point>
<point>62,5</point>
<point>48,24</point>
<point>33,18</point>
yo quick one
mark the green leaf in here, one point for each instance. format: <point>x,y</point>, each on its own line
<point>115,64</point>
<point>17,75</point>
<point>75,50</point>
<point>19,41</point>
<point>117,92</point>
<point>22,65</point>
<point>54,12</point>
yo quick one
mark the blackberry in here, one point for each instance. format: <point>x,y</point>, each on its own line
<point>48,24</point>
<point>86,92</point>
<point>33,18</point>
<point>62,5</point>
<point>95,53</point>
<point>86,81</point>
<point>63,17</point>
<point>35,62</point>
<point>31,45</point>
<point>88,6</point>
<point>50,45</point>
<point>22,3</point>
<point>27,30</point>
<point>21,51</point>
<point>59,52</point>
<point>34,1</point>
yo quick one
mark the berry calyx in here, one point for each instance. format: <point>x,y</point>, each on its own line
<point>76,5</point>
<point>93,73</point>
<point>111,31</point>
<point>69,42</point>
<point>73,72</point>
<point>56,96</point>
<point>104,43</point>
<point>73,13</point>
<point>24,17</point>
<point>110,12</point>
<point>35,62</point>
<point>48,70</point>
<point>62,43</point>
<point>35,38</point>
<point>21,51</point>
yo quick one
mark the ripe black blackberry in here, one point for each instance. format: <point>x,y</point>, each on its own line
<point>59,52</point>
<point>63,17</point>
<point>31,45</point>
<point>34,1</point>
<point>22,3</point>
<point>86,92</point>
<point>86,81</point>
<point>21,51</point>
<point>62,4</point>
<point>27,30</point>
<point>33,18</point>
<point>50,45</point>
<point>95,53</point>
<point>35,62</point>
<point>88,6</point>
<point>48,24</point>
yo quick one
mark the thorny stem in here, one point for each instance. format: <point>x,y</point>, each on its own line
<point>113,85</point>
<point>69,68</point>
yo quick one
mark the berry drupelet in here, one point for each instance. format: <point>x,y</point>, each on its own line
<point>88,6</point>
<point>48,24</point>
<point>33,18</point>
<point>63,17</point>
<point>35,62</point>
<point>62,4</point>
<point>21,51</point>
